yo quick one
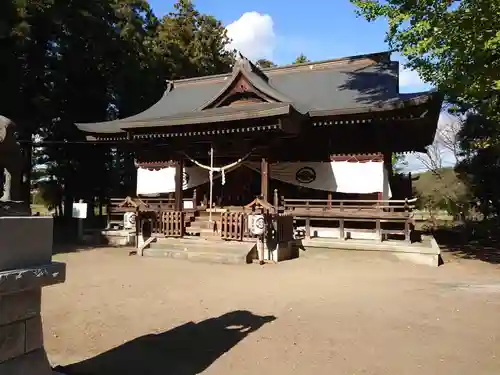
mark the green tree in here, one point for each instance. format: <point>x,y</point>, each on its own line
<point>455,46</point>
<point>301,59</point>
<point>399,162</point>
<point>87,61</point>
<point>192,44</point>
<point>264,63</point>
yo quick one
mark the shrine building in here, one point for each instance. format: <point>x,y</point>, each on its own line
<point>306,138</point>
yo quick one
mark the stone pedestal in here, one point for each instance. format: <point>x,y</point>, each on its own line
<point>25,268</point>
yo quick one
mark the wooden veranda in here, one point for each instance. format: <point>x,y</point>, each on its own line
<point>159,218</point>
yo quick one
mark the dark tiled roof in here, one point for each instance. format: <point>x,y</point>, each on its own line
<point>222,114</point>
<point>354,82</point>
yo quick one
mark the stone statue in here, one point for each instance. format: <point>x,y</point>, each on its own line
<point>10,161</point>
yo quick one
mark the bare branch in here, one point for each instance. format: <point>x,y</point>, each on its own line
<point>444,151</point>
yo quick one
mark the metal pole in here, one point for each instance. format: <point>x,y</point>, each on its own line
<point>211,181</point>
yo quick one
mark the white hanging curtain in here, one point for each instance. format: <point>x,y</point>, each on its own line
<point>342,177</point>
<point>162,181</point>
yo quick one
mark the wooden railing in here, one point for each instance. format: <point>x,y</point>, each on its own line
<point>118,206</point>
<point>314,206</point>
<point>342,211</point>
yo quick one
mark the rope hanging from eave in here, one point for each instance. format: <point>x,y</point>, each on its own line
<point>222,170</point>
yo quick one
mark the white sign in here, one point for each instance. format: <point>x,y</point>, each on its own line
<point>80,210</point>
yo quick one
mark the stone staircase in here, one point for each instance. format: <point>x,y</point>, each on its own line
<point>199,249</point>
<point>201,227</point>
<point>201,244</point>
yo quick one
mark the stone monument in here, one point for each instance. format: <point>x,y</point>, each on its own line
<point>25,268</point>
<point>10,171</point>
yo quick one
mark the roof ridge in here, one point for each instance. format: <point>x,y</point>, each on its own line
<point>244,68</point>
<point>375,57</point>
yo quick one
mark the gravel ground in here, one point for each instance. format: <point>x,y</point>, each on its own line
<point>329,313</point>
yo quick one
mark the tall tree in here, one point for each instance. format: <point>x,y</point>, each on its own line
<point>86,61</point>
<point>264,63</point>
<point>26,35</point>
<point>193,44</point>
<point>301,59</point>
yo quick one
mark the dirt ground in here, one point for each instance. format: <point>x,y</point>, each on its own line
<point>325,313</point>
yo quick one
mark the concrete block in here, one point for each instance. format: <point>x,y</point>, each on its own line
<point>15,281</point>
<point>12,341</point>
<point>25,241</point>
<point>34,334</point>
<point>33,363</point>
<point>424,259</point>
<point>118,237</point>
<point>20,306</point>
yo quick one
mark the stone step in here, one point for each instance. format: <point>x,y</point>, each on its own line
<point>201,250</point>
<point>197,229</point>
<point>201,225</point>
<point>195,241</point>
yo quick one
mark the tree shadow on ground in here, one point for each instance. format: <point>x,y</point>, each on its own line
<point>185,350</point>
<point>463,243</point>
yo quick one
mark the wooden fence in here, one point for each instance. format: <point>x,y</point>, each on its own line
<point>161,224</point>
<point>234,227</point>
<point>172,223</point>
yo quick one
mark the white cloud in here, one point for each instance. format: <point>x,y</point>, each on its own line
<point>253,35</point>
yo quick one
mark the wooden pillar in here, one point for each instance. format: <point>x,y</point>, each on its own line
<point>388,163</point>
<point>264,179</point>
<point>387,157</point>
<point>195,198</point>
<point>179,181</point>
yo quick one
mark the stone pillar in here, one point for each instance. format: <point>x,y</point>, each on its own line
<point>264,179</point>
<point>25,268</point>
<point>179,182</point>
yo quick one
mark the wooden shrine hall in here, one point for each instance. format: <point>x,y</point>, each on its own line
<point>314,140</point>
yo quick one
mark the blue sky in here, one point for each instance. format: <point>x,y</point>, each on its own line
<point>327,28</point>
<point>281,30</point>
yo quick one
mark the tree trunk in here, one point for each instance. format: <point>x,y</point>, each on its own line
<point>27,166</point>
